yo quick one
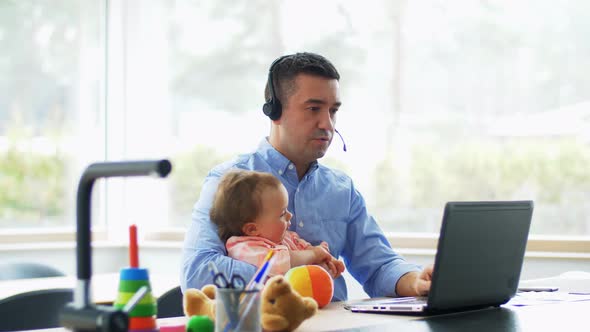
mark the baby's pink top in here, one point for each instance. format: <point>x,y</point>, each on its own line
<point>253,250</point>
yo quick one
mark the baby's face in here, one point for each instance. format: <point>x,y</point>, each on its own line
<point>274,220</point>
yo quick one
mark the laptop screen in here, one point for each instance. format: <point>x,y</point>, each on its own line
<point>480,253</point>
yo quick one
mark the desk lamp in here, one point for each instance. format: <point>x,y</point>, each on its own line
<point>83,314</point>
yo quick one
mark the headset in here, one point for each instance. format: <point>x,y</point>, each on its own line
<point>273,107</point>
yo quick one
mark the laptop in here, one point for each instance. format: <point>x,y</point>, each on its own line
<point>478,261</point>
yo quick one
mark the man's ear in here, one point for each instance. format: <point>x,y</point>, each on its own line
<point>250,229</point>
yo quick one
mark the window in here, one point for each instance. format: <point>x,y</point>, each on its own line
<point>51,107</point>
<point>442,100</point>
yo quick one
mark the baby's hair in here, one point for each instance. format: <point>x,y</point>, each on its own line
<point>237,200</point>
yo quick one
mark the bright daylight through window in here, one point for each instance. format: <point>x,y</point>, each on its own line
<point>51,107</point>
<point>442,101</point>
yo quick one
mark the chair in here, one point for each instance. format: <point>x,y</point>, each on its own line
<point>34,310</point>
<point>170,303</point>
<point>14,270</point>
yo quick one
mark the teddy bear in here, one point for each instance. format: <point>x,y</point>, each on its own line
<point>200,302</point>
<point>282,309</point>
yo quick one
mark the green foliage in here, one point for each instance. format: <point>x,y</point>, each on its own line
<point>486,170</point>
<point>32,187</point>
<point>552,173</point>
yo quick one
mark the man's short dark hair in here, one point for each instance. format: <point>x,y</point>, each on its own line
<point>285,71</point>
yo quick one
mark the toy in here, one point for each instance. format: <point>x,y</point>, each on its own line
<point>282,308</point>
<point>143,315</point>
<point>200,302</point>
<point>200,324</point>
<point>312,281</point>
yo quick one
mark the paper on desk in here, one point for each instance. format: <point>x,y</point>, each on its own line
<point>571,281</point>
<point>535,298</point>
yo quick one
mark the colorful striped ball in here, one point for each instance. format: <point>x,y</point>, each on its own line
<point>312,281</point>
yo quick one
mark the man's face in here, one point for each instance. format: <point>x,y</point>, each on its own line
<point>305,129</point>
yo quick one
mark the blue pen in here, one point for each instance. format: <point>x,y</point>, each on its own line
<point>262,274</point>
<point>258,274</point>
<point>257,284</point>
<point>253,284</point>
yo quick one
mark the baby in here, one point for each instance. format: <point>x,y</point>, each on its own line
<point>250,211</point>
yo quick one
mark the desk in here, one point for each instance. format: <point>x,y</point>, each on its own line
<point>544,317</point>
<point>548,317</point>
<point>104,286</point>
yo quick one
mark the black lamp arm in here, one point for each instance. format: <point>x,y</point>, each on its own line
<point>159,168</point>
<point>82,314</point>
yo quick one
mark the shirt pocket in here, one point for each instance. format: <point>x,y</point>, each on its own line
<point>334,232</point>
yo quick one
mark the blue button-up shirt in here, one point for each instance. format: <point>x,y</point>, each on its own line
<point>325,206</point>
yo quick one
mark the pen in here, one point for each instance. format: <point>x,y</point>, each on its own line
<point>259,282</point>
<point>263,267</point>
<point>257,285</point>
<point>538,289</point>
<point>254,284</point>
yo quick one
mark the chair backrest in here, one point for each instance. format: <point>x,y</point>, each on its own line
<point>16,270</point>
<point>170,303</point>
<point>34,310</point>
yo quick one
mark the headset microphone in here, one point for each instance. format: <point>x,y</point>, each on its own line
<point>343,144</point>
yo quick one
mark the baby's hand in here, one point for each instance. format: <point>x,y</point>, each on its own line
<point>321,254</point>
<point>333,266</point>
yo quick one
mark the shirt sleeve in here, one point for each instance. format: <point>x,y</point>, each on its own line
<point>202,244</point>
<point>369,256</point>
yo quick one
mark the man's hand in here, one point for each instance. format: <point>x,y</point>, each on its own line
<point>415,283</point>
<point>339,265</point>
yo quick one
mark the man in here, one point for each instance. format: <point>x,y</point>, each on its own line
<point>303,99</point>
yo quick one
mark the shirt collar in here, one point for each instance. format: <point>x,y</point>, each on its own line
<point>276,159</point>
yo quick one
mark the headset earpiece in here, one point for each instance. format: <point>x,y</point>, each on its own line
<point>267,108</point>
<point>273,107</point>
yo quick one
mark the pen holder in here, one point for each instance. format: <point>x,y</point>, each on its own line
<point>237,310</point>
<point>143,316</point>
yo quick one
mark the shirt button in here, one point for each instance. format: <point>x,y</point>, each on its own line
<point>280,172</point>
<point>301,224</point>
<point>291,166</point>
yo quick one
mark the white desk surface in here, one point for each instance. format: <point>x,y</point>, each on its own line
<point>572,281</point>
